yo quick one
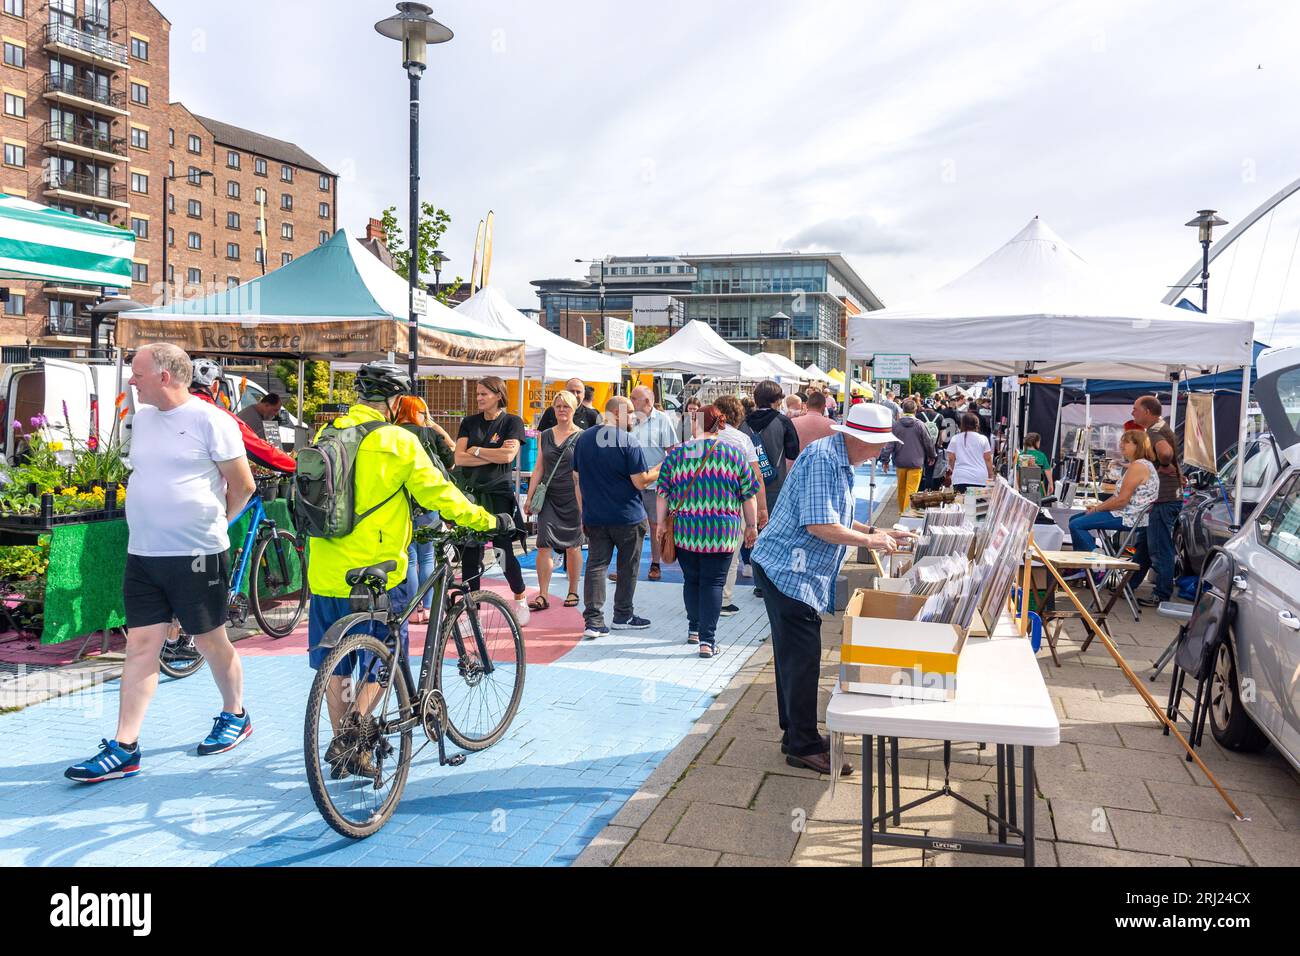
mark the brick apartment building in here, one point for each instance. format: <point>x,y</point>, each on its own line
<point>88,126</point>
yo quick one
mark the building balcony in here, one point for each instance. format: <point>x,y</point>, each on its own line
<point>82,141</point>
<point>83,188</point>
<point>68,327</point>
<point>80,92</point>
<point>70,290</point>
<point>86,40</point>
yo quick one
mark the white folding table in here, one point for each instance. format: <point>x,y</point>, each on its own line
<point>1001,699</point>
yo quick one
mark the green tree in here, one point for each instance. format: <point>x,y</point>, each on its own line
<point>649,338</point>
<point>923,384</point>
<point>316,388</point>
<point>434,223</point>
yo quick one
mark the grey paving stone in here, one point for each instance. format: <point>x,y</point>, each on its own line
<point>1044,856</point>
<point>661,822</point>
<point>1178,836</point>
<point>735,859</point>
<point>760,755</point>
<point>605,848</point>
<point>1266,847</point>
<point>1098,789</point>
<point>1072,854</point>
<point>1204,803</point>
<point>730,830</point>
<point>1086,732</point>
<point>733,786</point>
<point>647,853</point>
<point>1285,809</point>
<point>1110,713</point>
<point>1143,764</point>
<point>840,844</point>
<point>1079,822</point>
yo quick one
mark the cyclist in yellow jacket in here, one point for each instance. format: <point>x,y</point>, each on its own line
<point>388,461</point>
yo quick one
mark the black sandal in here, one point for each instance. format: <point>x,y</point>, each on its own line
<point>572,599</point>
<point>539,603</point>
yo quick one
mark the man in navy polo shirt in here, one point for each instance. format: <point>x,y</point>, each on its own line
<point>611,469</point>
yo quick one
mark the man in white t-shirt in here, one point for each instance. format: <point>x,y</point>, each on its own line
<point>189,477</point>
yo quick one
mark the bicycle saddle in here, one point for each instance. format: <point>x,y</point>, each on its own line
<point>376,574</point>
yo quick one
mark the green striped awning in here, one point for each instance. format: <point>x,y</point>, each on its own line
<point>40,243</point>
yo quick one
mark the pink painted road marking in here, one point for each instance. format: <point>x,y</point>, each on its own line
<point>547,638</point>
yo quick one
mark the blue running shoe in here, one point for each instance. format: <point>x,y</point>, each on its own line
<point>228,732</point>
<point>114,762</point>
<point>633,623</point>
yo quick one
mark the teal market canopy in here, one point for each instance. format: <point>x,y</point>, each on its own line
<point>43,244</point>
<point>337,302</point>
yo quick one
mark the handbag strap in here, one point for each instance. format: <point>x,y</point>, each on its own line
<point>696,477</point>
<point>559,455</point>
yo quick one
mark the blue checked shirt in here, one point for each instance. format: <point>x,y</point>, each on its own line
<point>818,491</point>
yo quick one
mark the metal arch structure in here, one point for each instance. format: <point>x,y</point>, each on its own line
<point>1222,246</point>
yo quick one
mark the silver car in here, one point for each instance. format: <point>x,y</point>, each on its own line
<point>1255,685</point>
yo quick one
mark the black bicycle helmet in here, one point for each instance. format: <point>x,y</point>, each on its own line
<point>380,381</point>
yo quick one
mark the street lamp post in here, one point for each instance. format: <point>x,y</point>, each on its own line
<point>439,257</point>
<point>196,179</point>
<point>601,263</point>
<point>416,28</point>
<point>1206,220</point>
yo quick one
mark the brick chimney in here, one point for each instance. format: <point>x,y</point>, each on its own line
<point>375,230</point>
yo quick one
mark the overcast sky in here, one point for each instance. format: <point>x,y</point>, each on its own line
<point>915,137</point>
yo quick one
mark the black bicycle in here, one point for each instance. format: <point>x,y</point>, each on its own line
<point>277,590</point>
<point>365,707</point>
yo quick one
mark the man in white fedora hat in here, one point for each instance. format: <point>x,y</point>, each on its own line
<point>797,560</point>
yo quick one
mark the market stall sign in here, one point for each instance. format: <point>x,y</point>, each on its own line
<point>620,336</point>
<point>892,368</point>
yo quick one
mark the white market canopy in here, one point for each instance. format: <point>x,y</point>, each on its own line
<point>815,374</point>
<point>1035,303</point>
<point>782,369</point>
<point>696,349</point>
<point>336,302</point>
<point>40,243</point>
<point>548,357</point>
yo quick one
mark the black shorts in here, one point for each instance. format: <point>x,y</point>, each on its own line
<point>194,591</point>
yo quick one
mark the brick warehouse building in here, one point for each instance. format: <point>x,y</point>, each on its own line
<point>88,126</point>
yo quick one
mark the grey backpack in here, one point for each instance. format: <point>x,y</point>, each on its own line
<point>325,482</point>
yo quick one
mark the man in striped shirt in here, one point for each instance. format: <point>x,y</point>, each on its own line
<point>797,561</point>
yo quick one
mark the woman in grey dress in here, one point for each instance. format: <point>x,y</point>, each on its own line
<point>559,520</point>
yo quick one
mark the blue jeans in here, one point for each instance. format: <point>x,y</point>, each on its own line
<point>1156,549</point>
<point>420,562</point>
<point>1082,526</point>
<point>324,612</point>
<point>704,576</point>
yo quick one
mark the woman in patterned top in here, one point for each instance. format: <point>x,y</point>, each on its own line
<point>1127,507</point>
<point>708,487</point>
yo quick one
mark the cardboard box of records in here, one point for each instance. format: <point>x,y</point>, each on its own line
<point>904,639</point>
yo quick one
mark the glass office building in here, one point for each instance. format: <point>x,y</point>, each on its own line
<point>790,303</point>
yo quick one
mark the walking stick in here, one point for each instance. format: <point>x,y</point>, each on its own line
<point>1135,681</point>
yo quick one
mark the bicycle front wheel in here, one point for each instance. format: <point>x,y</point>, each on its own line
<point>278,590</point>
<point>357,737</point>
<point>482,694</point>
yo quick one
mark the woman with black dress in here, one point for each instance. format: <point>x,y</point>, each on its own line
<point>559,517</point>
<point>486,446</point>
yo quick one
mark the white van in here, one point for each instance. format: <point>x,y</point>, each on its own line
<point>42,386</point>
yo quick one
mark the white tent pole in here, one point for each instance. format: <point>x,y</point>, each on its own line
<point>1173,416</point>
<point>302,364</point>
<point>331,382</point>
<point>1241,443</point>
<point>520,456</point>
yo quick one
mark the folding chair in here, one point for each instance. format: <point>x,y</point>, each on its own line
<point>1199,639</point>
<point>1116,544</point>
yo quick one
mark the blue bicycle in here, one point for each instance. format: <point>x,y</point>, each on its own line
<point>277,593</point>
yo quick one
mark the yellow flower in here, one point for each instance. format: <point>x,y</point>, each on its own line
<point>70,492</point>
<point>96,489</point>
<point>56,446</point>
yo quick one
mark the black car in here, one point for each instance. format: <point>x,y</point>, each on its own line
<point>1206,518</point>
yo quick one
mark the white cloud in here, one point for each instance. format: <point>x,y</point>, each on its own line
<point>917,137</point>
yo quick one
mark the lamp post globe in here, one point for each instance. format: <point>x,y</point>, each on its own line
<point>415,28</point>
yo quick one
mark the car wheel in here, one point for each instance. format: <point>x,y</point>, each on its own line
<point>1229,722</point>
